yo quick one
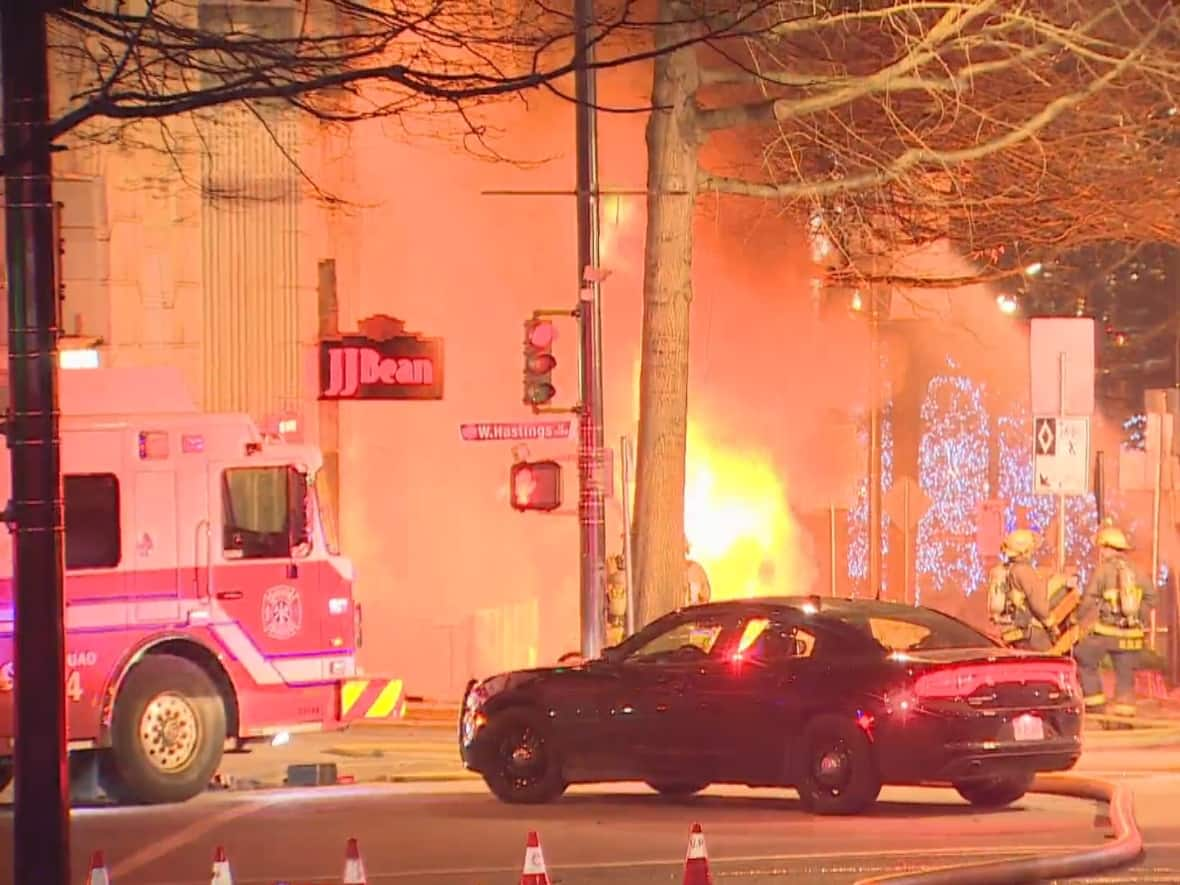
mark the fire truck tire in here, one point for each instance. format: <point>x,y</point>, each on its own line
<point>5,774</point>
<point>167,733</point>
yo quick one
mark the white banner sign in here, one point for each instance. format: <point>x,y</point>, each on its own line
<point>1061,456</point>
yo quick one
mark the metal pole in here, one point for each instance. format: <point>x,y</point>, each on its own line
<point>591,511</point>
<point>628,573</point>
<point>1061,495</point>
<point>832,542</point>
<point>1156,495</point>
<point>874,514</point>
<point>40,841</point>
<point>905,511</point>
<point>1100,485</point>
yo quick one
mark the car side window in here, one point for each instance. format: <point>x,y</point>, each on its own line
<point>773,639</point>
<point>687,640</point>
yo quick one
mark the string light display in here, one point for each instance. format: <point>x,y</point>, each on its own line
<point>1135,432</point>
<point>952,471</point>
<point>858,516</point>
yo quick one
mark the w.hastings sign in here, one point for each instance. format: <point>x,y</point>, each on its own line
<point>365,367</point>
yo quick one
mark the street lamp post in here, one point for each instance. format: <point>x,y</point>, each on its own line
<point>41,849</point>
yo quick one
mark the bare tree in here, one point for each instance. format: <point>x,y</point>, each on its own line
<point>1001,126</point>
<point>127,61</point>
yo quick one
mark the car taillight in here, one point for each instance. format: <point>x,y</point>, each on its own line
<point>962,680</point>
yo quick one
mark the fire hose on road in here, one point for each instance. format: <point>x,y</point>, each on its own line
<point>1126,847</point>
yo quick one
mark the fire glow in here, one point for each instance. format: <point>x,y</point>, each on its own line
<point>738,522</point>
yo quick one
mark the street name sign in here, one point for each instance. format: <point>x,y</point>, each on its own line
<point>514,431</point>
<point>1061,455</point>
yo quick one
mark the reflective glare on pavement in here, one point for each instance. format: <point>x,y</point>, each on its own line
<point>451,834</point>
<point>456,834</point>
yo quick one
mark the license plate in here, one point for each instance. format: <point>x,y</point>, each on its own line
<point>1028,728</point>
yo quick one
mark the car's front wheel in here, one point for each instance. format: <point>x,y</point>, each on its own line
<point>837,773</point>
<point>678,790</point>
<point>995,792</point>
<point>524,765</point>
<point>6,770</point>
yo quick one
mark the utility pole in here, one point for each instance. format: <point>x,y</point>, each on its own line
<point>41,845</point>
<point>591,438</point>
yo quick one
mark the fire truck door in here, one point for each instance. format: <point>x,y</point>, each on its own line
<point>156,572</point>
<point>258,575</point>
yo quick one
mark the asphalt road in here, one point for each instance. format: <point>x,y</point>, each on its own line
<point>452,833</point>
<point>447,834</point>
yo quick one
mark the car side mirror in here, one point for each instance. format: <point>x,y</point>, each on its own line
<point>611,655</point>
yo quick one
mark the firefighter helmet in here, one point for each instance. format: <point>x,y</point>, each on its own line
<point>1113,537</point>
<point>1020,543</point>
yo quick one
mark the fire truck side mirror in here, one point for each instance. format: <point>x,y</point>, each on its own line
<point>298,507</point>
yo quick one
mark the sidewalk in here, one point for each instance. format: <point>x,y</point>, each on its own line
<point>386,753</point>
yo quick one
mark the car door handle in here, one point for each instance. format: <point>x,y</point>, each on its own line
<point>230,594</point>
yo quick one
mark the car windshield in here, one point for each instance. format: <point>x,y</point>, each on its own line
<point>918,629</point>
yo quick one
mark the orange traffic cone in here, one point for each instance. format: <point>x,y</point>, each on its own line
<point>221,871</point>
<point>354,867</point>
<point>99,875</point>
<point>534,872</point>
<point>696,864</point>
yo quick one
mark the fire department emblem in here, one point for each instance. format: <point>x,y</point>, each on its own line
<point>282,612</point>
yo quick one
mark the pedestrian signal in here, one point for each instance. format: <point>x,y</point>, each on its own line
<point>535,485</point>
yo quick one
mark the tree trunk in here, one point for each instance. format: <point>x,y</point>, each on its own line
<point>673,147</point>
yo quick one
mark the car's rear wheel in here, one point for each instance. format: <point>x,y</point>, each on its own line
<point>525,764</point>
<point>5,774</point>
<point>678,790</point>
<point>995,792</point>
<point>837,773</point>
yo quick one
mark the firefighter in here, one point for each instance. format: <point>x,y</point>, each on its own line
<point>696,582</point>
<point>1114,607</point>
<point>1018,600</point>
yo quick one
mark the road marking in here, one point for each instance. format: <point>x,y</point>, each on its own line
<point>191,833</point>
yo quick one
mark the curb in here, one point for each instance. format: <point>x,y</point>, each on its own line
<point>1137,739</point>
<point>383,751</point>
<point>1125,849</point>
<point>245,785</point>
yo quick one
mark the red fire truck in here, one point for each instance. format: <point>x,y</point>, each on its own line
<point>205,604</point>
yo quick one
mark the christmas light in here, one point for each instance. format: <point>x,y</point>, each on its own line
<point>1135,432</point>
<point>858,516</point>
<point>952,471</point>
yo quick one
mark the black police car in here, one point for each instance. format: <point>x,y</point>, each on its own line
<point>834,697</point>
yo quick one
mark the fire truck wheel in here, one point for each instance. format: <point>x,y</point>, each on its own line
<point>167,733</point>
<point>5,773</point>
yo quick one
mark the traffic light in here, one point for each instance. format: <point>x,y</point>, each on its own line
<point>539,362</point>
<point>535,485</point>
